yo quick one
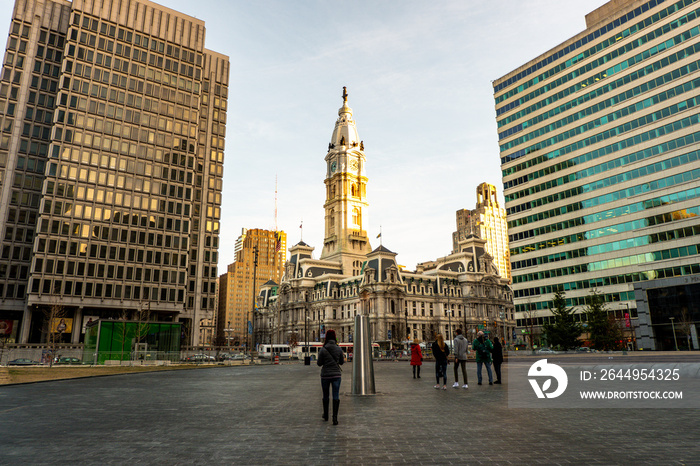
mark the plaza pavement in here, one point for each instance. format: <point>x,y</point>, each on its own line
<point>267,415</point>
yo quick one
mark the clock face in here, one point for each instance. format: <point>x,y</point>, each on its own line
<point>353,164</point>
<point>334,166</point>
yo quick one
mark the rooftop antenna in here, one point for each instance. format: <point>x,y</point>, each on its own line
<point>301,230</point>
<point>275,202</point>
<point>278,240</point>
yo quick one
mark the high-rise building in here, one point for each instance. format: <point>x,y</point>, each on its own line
<point>111,159</point>
<point>598,139</point>
<point>487,221</point>
<point>260,259</point>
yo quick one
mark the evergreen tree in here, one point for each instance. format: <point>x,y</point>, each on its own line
<point>602,327</point>
<point>564,331</point>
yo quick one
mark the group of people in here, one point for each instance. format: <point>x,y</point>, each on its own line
<point>330,358</point>
<point>486,352</point>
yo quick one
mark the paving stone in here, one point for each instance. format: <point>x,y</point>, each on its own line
<point>272,415</point>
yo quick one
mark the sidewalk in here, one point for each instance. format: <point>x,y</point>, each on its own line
<point>271,414</point>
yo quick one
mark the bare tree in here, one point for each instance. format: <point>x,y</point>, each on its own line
<point>530,323</point>
<point>685,323</point>
<point>4,338</point>
<point>293,340</point>
<point>55,325</point>
<point>143,315</point>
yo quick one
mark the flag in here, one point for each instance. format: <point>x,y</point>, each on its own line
<point>379,235</point>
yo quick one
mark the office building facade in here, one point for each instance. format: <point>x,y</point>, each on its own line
<point>487,221</point>
<point>598,141</point>
<point>260,258</point>
<point>111,153</point>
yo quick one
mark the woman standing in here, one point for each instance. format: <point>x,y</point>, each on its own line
<point>330,358</point>
<point>416,358</point>
<point>440,351</point>
<point>497,359</point>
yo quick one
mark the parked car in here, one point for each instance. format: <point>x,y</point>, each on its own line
<point>546,351</point>
<point>68,360</point>
<point>199,358</point>
<point>240,357</point>
<point>22,362</point>
<point>583,349</point>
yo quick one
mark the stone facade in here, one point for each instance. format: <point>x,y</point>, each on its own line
<point>461,290</point>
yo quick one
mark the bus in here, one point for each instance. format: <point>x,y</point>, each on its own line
<point>281,350</point>
<point>299,351</point>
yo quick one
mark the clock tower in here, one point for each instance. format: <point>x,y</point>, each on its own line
<point>346,198</point>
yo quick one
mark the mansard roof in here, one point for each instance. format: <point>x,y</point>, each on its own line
<point>382,249</point>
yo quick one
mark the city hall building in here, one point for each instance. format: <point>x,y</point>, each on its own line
<point>461,290</point>
<point>601,168</point>
<point>112,123</point>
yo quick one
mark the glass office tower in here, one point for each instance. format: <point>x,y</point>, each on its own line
<point>600,158</point>
<point>111,162</point>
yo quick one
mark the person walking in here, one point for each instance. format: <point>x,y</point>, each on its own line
<point>416,358</point>
<point>440,351</point>
<point>497,359</point>
<point>460,346</point>
<point>483,347</point>
<point>330,358</point>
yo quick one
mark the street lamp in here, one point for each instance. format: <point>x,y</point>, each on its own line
<point>251,330</point>
<point>631,326</point>
<point>449,320</point>
<point>673,327</point>
<point>306,332</point>
<point>407,329</point>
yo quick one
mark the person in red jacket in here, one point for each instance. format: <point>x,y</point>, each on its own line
<point>416,358</point>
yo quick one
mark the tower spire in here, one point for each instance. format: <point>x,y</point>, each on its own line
<point>346,203</point>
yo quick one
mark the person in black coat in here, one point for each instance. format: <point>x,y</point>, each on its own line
<point>440,352</point>
<point>330,358</point>
<point>497,355</point>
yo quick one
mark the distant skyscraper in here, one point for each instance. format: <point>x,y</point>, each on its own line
<point>111,160</point>
<point>271,256</point>
<point>487,221</point>
<point>599,154</point>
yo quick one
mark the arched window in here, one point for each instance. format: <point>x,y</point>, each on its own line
<point>356,216</point>
<point>332,217</point>
<point>353,190</point>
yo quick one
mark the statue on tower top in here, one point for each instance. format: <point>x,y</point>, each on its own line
<point>345,95</point>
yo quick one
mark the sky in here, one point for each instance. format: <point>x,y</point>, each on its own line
<point>419,78</point>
